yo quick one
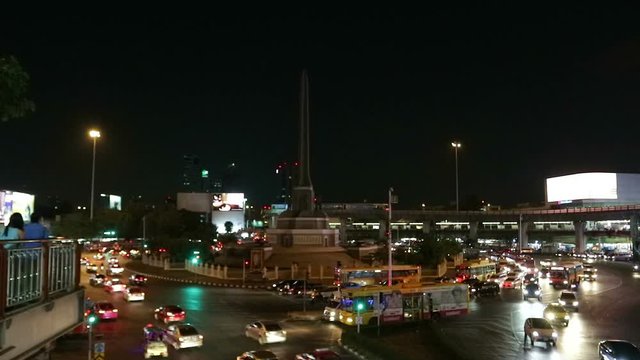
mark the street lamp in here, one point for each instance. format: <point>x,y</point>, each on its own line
<point>456,145</point>
<point>94,134</point>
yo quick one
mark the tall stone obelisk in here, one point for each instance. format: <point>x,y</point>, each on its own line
<point>303,228</point>
<point>303,196</point>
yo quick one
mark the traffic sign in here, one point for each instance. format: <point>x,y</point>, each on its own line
<point>99,356</point>
<point>98,347</point>
<point>359,320</point>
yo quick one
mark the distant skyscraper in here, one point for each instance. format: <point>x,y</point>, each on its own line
<point>288,173</point>
<point>191,173</point>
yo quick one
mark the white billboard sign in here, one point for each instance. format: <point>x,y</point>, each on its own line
<point>585,186</point>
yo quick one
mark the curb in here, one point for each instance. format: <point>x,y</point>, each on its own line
<point>198,282</point>
<point>354,352</point>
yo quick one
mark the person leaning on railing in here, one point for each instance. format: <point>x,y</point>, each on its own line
<point>14,229</point>
<point>35,230</point>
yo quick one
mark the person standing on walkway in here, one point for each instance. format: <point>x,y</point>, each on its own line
<point>35,230</point>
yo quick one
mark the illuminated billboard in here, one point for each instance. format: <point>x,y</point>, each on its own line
<point>584,186</point>
<point>228,202</point>
<point>12,201</point>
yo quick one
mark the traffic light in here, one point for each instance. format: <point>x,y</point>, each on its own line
<point>196,257</point>
<point>246,262</point>
<point>92,319</point>
<point>359,305</point>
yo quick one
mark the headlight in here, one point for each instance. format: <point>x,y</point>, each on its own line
<point>537,292</point>
<point>562,302</point>
<point>473,290</point>
<point>566,317</point>
<point>594,276</point>
<point>635,267</point>
<point>575,303</point>
<point>535,334</point>
<point>333,313</point>
<point>550,316</point>
<point>554,334</point>
<point>526,292</point>
<point>565,282</point>
<point>349,320</point>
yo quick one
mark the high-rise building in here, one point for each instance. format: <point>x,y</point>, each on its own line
<point>288,173</point>
<point>190,173</point>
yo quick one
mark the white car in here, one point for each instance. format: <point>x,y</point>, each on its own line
<point>134,294</point>
<point>498,278</point>
<point>539,329</point>
<point>155,348</point>
<point>115,269</point>
<point>182,336</point>
<point>257,355</point>
<point>265,332</point>
<point>512,282</point>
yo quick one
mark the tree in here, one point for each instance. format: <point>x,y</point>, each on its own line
<point>14,83</point>
<point>432,250</point>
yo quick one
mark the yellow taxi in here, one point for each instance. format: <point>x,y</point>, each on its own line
<point>556,314</point>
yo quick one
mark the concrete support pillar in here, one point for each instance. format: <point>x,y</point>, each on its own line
<point>473,230</point>
<point>276,272</point>
<point>634,232</point>
<point>342,232</point>
<point>579,227</point>
<point>308,274</point>
<point>224,272</point>
<point>382,230</point>
<point>321,272</point>
<point>523,235</point>
<point>426,227</point>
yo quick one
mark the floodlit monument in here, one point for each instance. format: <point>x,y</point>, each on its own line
<point>304,228</point>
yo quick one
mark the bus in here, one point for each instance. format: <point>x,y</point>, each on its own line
<point>379,305</point>
<point>475,269</point>
<point>566,274</point>
<point>364,276</point>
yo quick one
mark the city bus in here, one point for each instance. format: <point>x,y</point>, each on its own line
<point>475,269</point>
<point>566,274</point>
<point>373,305</point>
<point>364,276</point>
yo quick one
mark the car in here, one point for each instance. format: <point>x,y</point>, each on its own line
<point>512,282</point>
<point>569,300</point>
<point>97,280</point>
<point>543,273</point>
<point>98,256</point>
<point>114,284</point>
<point>265,332</point>
<point>497,278</point>
<point>84,261</point>
<point>105,310</point>
<point>529,278</point>
<point>282,285</point>
<point>299,288</point>
<point>444,279</point>
<point>91,268</point>
<point>532,290</point>
<point>319,354</point>
<point>617,349</point>
<point>257,355</point>
<point>539,329</point>
<point>485,288</point>
<point>556,314</point>
<point>332,310</point>
<point>325,293</point>
<point>115,269</point>
<point>182,336</point>
<point>471,281</point>
<point>589,275</point>
<point>134,294</point>
<point>155,348</point>
<point>113,260</point>
<point>589,267</point>
<point>137,279</point>
<point>169,313</point>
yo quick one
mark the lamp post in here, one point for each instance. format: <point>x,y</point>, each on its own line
<point>94,134</point>
<point>456,145</point>
<point>389,275</point>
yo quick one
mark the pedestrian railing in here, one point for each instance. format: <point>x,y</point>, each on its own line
<point>35,271</point>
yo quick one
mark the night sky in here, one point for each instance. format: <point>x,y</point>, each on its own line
<point>530,93</point>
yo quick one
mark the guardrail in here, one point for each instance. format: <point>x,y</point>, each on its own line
<point>36,270</point>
